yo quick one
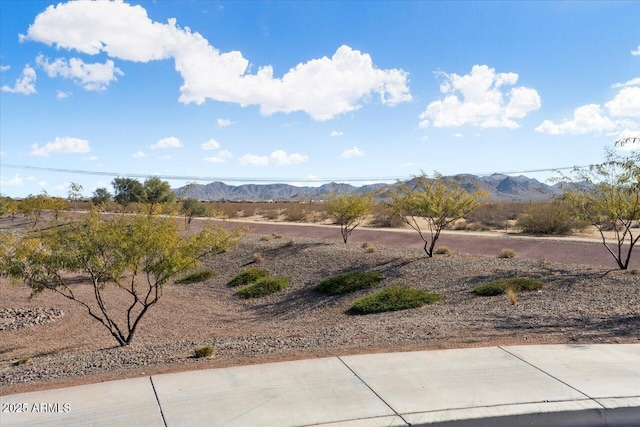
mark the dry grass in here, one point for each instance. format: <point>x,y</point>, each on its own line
<point>507,253</point>
<point>443,250</point>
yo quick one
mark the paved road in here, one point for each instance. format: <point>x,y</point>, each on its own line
<point>568,385</point>
<point>564,251</point>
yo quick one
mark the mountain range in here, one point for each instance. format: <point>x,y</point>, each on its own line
<point>500,188</point>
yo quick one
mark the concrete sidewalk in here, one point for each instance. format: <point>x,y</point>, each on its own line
<point>554,385</point>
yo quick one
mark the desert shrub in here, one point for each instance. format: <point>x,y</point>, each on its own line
<point>368,247</point>
<point>443,250</point>
<point>499,287</point>
<point>513,297</point>
<point>263,287</point>
<point>203,350</point>
<point>295,213</point>
<point>383,216</point>
<point>507,253</point>
<point>549,218</point>
<point>494,215</point>
<point>392,299</point>
<point>196,276</point>
<point>271,214</point>
<point>349,282</point>
<point>248,276</point>
<point>265,238</point>
<point>277,235</point>
<point>257,258</point>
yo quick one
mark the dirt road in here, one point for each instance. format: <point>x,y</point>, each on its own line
<point>551,249</point>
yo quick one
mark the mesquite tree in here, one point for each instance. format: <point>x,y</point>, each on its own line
<point>436,202</point>
<point>127,258</point>
<point>607,195</point>
<point>348,210</point>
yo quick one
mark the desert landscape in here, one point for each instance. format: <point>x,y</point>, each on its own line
<point>61,345</point>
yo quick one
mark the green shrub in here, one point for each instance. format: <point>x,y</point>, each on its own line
<point>263,287</point>
<point>549,218</point>
<point>349,282</point>
<point>248,276</point>
<point>499,287</point>
<point>196,276</point>
<point>392,299</point>
<point>203,350</point>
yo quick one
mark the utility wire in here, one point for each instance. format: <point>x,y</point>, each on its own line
<point>270,180</point>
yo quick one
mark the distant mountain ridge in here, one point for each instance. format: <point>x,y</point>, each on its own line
<point>500,187</point>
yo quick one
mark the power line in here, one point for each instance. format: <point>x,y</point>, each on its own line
<point>270,180</point>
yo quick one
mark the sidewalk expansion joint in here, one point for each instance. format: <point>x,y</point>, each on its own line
<point>555,378</point>
<point>374,392</point>
<point>158,400</point>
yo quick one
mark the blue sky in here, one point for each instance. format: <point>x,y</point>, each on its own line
<point>305,92</point>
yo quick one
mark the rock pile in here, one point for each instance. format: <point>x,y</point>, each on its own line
<point>16,318</point>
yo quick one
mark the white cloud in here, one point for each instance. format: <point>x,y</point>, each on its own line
<point>42,183</point>
<point>221,157</point>
<point>352,152</point>
<point>586,119</point>
<point>93,158</point>
<point>138,155</point>
<point>94,76</point>
<point>213,159</point>
<point>62,145</point>
<point>477,99</point>
<point>165,157</point>
<point>5,68</point>
<point>425,138</point>
<point>31,178</point>
<point>224,122</point>
<point>406,165</point>
<point>632,82</point>
<point>252,159</point>
<point>25,84</point>
<point>170,142</point>
<point>281,158</point>
<point>335,133</point>
<point>626,103</point>
<point>278,158</point>
<point>62,95</point>
<point>636,52</point>
<point>592,118</point>
<point>125,32</point>
<point>212,144</point>
<point>458,135</point>
<point>11,182</point>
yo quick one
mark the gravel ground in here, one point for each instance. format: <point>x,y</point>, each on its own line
<point>578,304</point>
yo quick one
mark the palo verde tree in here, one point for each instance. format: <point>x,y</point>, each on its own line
<point>607,195</point>
<point>126,258</point>
<point>348,210</point>
<point>127,191</point>
<point>157,192</point>
<point>436,202</point>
